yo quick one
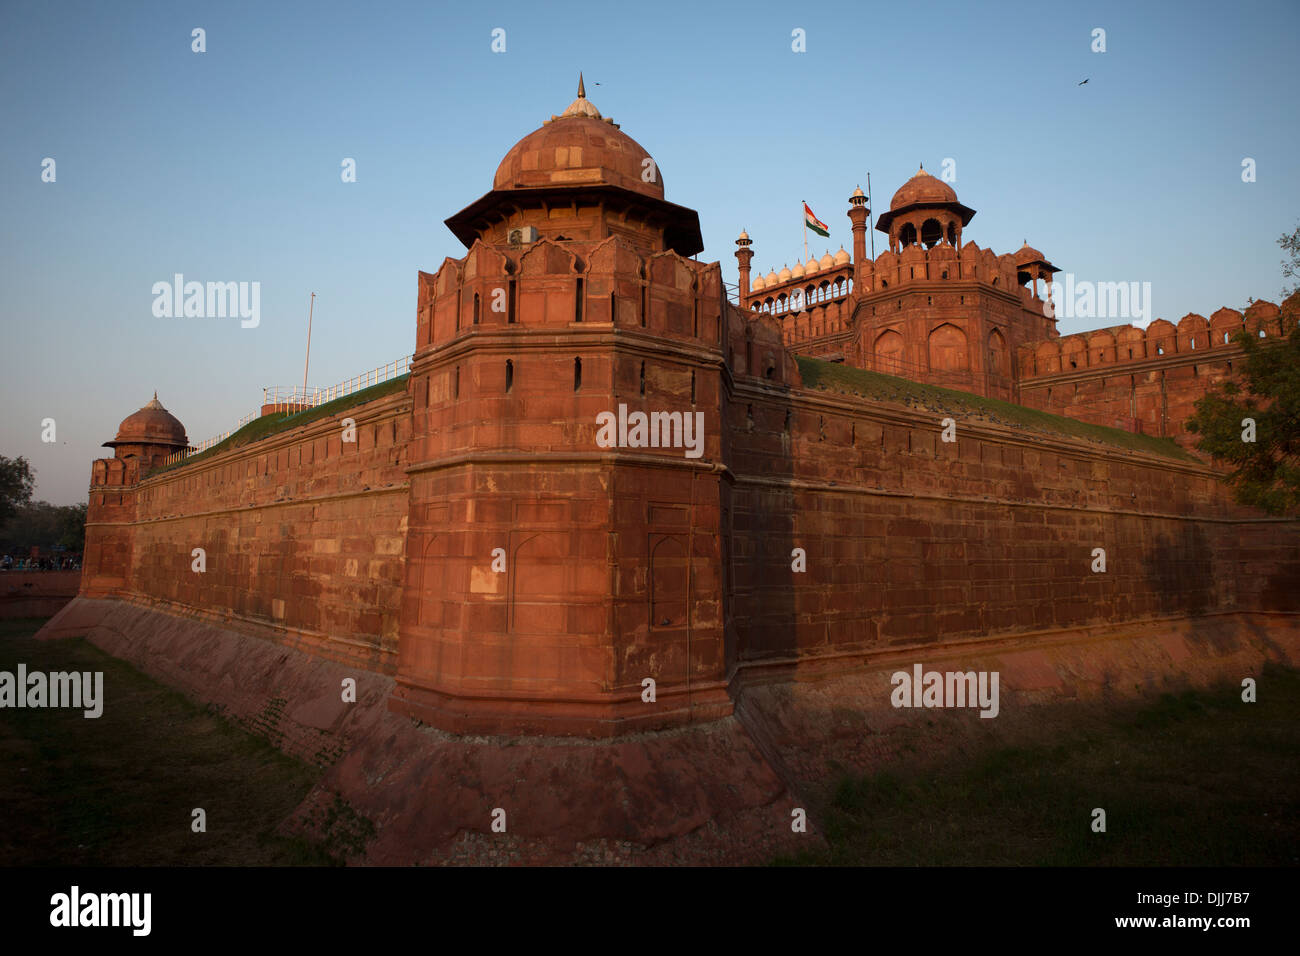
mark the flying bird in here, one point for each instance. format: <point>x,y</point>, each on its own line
<point>1081,82</point>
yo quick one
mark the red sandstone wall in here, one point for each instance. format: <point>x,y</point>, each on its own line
<point>110,534</point>
<point>304,535</point>
<point>910,540</point>
<point>36,593</point>
<point>622,566</point>
<point>1144,380</point>
<point>611,555</point>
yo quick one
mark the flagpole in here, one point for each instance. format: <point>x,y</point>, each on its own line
<point>871,226</point>
<point>311,305</point>
<point>804,214</point>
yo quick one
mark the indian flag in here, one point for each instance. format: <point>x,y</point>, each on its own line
<point>813,223</point>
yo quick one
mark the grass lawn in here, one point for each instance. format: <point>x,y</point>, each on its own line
<point>832,376</point>
<point>1194,779</point>
<point>119,790</point>
<point>277,422</point>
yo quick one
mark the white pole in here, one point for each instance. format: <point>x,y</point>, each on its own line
<point>310,307</point>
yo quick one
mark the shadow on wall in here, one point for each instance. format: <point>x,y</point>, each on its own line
<point>1281,591</point>
<point>763,598</point>
<point>1180,569</point>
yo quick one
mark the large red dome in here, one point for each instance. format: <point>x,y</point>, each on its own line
<point>151,425</point>
<point>576,158</point>
<point>922,189</point>
<point>579,148</point>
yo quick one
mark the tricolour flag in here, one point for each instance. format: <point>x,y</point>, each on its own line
<point>813,223</point>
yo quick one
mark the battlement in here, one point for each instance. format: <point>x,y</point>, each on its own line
<point>1193,336</point>
<point>114,473</point>
<point>890,270</point>
<point>569,284</point>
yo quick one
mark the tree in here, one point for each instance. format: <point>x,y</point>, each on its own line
<point>1265,458</point>
<point>39,524</point>
<point>16,484</point>
<point>72,527</point>
<point>1291,264</point>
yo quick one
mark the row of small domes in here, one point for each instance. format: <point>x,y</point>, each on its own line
<point>800,270</point>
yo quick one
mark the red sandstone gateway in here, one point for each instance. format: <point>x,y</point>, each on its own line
<point>478,544</point>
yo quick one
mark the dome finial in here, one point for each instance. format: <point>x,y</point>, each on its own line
<point>582,106</point>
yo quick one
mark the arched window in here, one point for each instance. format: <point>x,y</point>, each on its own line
<point>476,308</point>
<point>907,235</point>
<point>888,351</point>
<point>999,357</point>
<point>510,375</point>
<point>947,349</point>
<point>931,233</point>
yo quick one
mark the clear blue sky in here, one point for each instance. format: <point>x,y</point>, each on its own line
<point>224,166</point>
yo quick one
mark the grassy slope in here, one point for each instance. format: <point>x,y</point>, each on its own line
<point>276,422</point>
<point>1197,778</point>
<point>835,377</point>
<point>118,790</point>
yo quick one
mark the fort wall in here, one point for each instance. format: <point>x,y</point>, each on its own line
<point>623,564</point>
<point>515,572</point>
<point>910,540</point>
<point>304,535</point>
<point>1144,380</point>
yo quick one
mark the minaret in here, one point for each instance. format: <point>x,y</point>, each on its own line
<point>858,213</point>
<point>744,254</point>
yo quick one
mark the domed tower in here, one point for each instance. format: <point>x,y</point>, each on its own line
<point>925,210</point>
<point>579,177</point>
<point>144,440</point>
<point>149,435</point>
<point>558,552</point>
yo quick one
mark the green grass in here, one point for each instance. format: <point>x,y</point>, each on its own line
<point>835,377</point>
<point>1193,779</point>
<point>277,422</point>
<point>119,790</point>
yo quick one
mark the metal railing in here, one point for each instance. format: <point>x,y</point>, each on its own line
<point>310,397</point>
<point>208,443</point>
<point>295,398</point>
